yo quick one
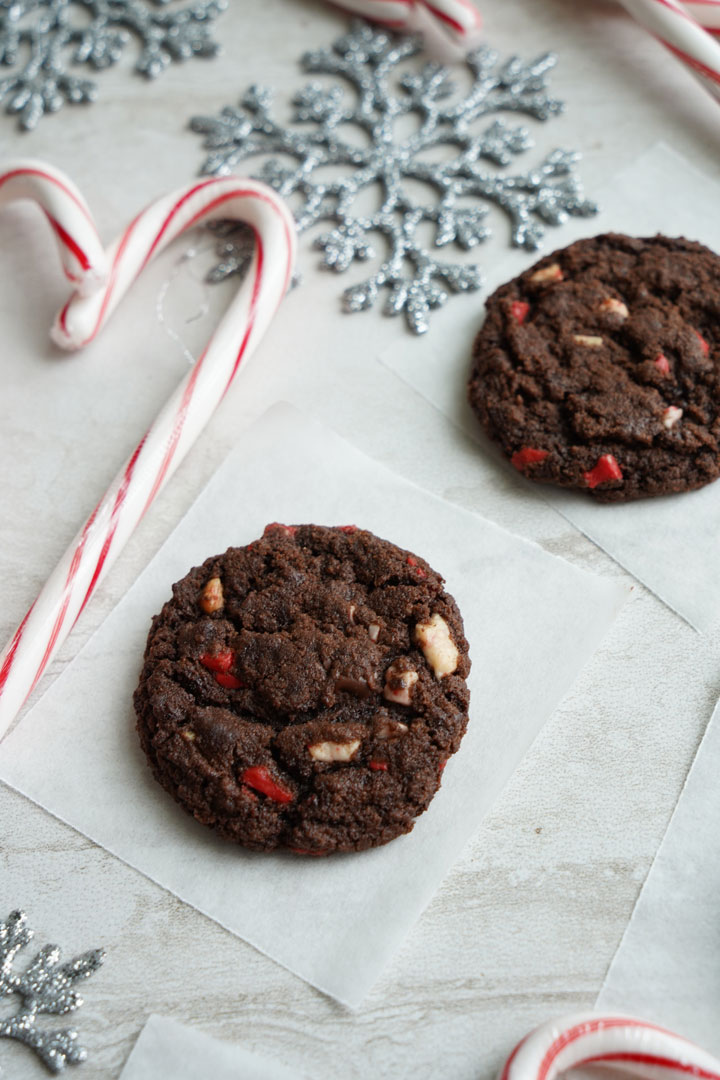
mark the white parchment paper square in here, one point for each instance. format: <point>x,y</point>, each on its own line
<point>532,620</point>
<point>670,544</point>
<point>667,967</point>
<point>168,1048</point>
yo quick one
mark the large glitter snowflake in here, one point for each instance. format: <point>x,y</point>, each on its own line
<point>39,37</point>
<point>45,986</point>
<point>446,122</point>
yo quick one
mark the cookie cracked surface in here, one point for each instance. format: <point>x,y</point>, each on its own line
<point>288,698</point>
<point>599,367</point>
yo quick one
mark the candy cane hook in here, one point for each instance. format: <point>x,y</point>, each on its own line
<point>179,422</point>
<point>620,1042</point>
<point>81,250</point>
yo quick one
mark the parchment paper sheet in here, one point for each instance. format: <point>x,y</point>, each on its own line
<point>667,968</point>
<point>670,544</point>
<point>533,620</point>
<point>168,1048</point>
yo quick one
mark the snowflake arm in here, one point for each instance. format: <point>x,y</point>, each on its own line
<point>416,296</point>
<point>365,58</point>
<point>535,193</point>
<point>45,986</point>
<point>38,38</point>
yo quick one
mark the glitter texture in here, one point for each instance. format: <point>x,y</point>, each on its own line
<point>415,280</point>
<point>46,986</point>
<point>39,37</point>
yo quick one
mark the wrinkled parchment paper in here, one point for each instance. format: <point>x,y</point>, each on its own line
<point>532,620</point>
<point>668,965</point>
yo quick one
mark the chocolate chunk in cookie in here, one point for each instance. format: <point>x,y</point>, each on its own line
<point>304,692</point>
<point>599,367</point>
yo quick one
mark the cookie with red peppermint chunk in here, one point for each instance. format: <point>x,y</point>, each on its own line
<point>599,367</point>
<point>305,691</point>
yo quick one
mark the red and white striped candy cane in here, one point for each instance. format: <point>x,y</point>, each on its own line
<point>620,1042</point>
<point>679,32</point>
<point>81,251</point>
<point>458,18</point>
<point>705,12</point>
<point>179,422</point>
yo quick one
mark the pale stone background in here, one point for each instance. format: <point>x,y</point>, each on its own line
<point>526,924</point>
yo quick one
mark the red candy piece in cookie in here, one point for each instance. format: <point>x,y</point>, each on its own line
<point>258,777</point>
<point>221,661</point>
<point>336,645</point>
<point>418,569</point>
<point>662,363</point>
<point>230,682</point>
<point>520,309</point>
<point>347,528</point>
<point>606,469</point>
<point>527,456</point>
<point>703,343</point>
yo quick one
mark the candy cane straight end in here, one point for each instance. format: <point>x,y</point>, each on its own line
<point>620,1042</point>
<point>92,280</point>
<point>90,285</point>
<point>59,333</point>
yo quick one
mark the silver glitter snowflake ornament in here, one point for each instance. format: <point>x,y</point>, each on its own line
<point>45,986</point>
<point>38,38</point>
<point>446,124</point>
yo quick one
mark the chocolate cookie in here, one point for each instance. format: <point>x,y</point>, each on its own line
<point>598,368</point>
<point>305,691</point>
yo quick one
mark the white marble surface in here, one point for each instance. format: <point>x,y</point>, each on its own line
<point>527,922</point>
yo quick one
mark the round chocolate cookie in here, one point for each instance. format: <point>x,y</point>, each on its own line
<point>305,691</point>
<point>599,367</point>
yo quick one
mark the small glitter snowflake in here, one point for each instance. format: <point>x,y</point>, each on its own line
<point>39,37</point>
<point>45,986</point>
<point>446,126</point>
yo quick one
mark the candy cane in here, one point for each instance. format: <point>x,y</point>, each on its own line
<point>460,18</point>
<point>679,32</point>
<point>81,250</point>
<point>619,1042</point>
<point>179,422</point>
<point>705,12</point>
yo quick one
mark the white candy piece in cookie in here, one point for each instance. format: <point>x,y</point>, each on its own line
<point>589,340</point>
<point>333,751</point>
<point>385,727</point>
<point>671,416</point>
<point>399,684</point>
<point>212,598</point>
<point>552,272</point>
<point>611,306</point>
<point>438,647</point>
